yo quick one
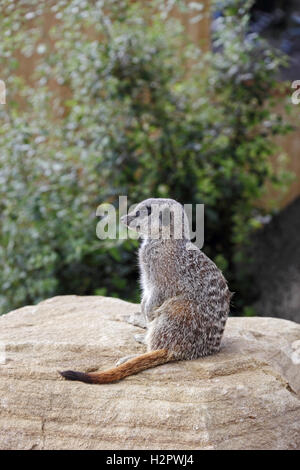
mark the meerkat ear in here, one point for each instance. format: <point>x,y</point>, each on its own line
<point>165,217</point>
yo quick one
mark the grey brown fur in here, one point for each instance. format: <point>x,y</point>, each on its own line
<point>185,299</point>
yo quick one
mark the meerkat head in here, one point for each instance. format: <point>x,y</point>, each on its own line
<point>158,219</point>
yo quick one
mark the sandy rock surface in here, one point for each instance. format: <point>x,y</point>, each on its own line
<point>245,397</point>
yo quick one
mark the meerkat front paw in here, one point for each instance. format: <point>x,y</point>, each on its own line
<point>136,319</point>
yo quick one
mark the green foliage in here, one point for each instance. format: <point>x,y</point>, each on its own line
<point>121,103</point>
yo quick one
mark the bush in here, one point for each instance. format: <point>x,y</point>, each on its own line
<point>120,103</point>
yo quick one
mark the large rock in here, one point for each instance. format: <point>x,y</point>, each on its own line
<point>245,397</point>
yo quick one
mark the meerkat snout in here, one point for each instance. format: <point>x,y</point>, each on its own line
<point>126,219</point>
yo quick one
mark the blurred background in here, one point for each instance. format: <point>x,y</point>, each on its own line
<point>180,99</point>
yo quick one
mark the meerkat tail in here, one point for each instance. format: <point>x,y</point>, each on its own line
<point>132,366</point>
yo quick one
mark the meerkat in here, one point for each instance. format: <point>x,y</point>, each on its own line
<point>185,297</point>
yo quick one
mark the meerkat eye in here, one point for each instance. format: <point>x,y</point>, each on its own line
<point>138,213</point>
<point>148,210</point>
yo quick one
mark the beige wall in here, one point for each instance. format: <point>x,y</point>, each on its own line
<point>290,144</point>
